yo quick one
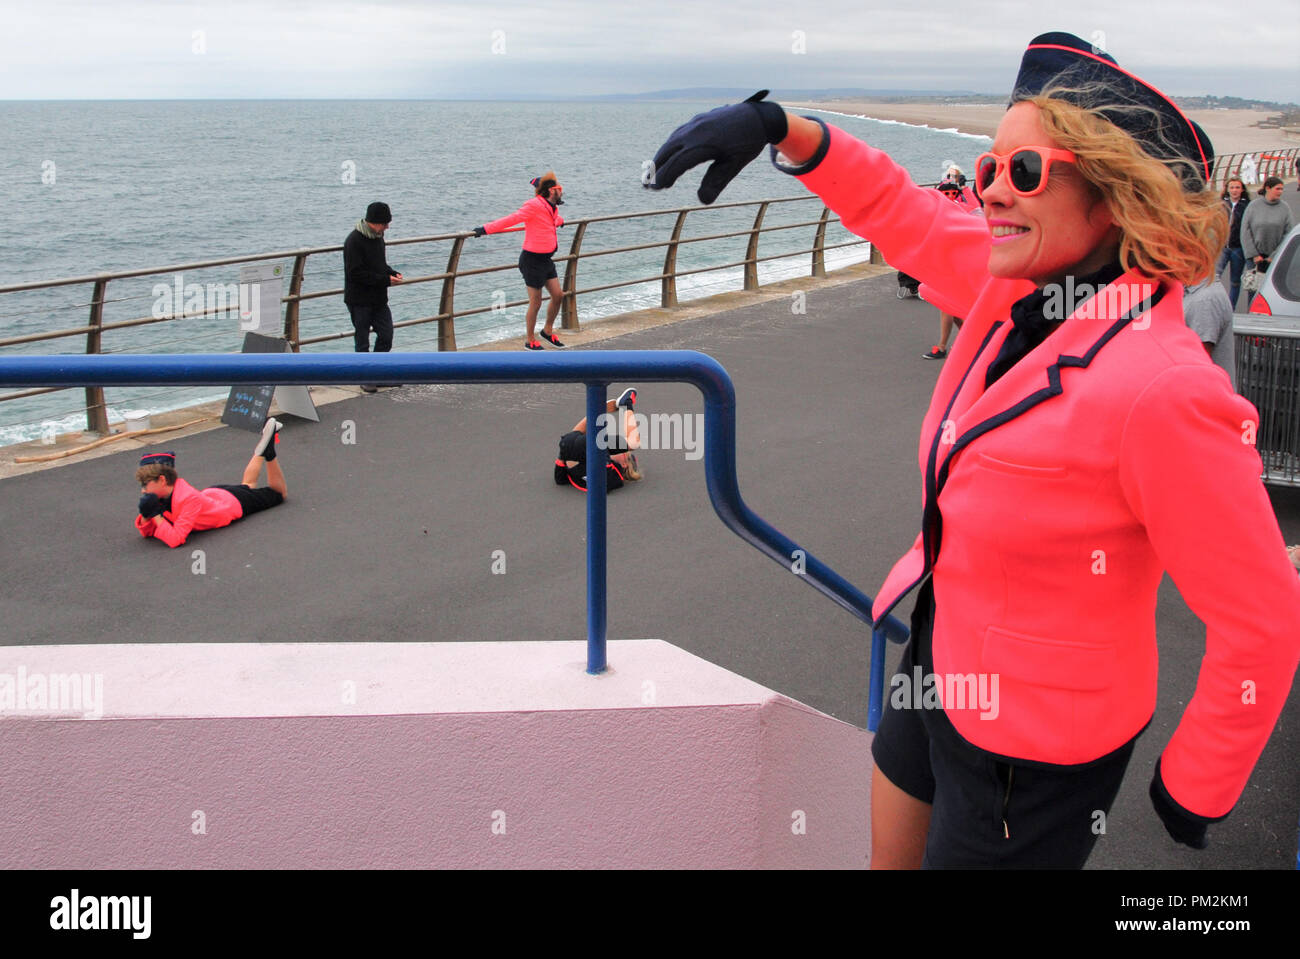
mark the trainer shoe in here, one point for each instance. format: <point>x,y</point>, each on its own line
<point>266,445</point>
<point>626,399</point>
<point>935,353</point>
<point>533,345</point>
<point>552,339</point>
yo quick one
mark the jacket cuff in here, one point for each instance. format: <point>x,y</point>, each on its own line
<point>1182,825</point>
<point>813,161</point>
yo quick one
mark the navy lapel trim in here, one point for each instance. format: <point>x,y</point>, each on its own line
<point>931,492</point>
<point>933,519</point>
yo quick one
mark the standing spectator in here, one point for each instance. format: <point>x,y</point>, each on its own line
<point>1265,224</point>
<point>955,174</point>
<point>1209,315</point>
<point>953,188</point>
<point>1235,200</point>
<point>366,278</point>
<point>540,217</point>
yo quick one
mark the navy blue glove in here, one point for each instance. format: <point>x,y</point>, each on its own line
<point>1183,826</point>
<point>479,231</point>
<point>150,505</point>
<point>730,136</point>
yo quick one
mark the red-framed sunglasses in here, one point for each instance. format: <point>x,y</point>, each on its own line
<point>1028,167</point>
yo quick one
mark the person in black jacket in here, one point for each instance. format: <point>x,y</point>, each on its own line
<point>366,278</point>
<point>1235,200</point>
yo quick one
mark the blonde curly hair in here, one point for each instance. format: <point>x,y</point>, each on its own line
<point>1167,232</point>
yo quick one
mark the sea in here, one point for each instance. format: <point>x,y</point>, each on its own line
<point>104,186</point>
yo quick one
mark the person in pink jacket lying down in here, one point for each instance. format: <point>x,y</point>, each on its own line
<point>1078,445</point>
<point>170,508</point>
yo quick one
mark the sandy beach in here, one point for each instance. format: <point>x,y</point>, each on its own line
<point>1231,131</point>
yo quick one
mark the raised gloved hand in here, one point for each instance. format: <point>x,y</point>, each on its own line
<point>730,136</point>
<point>150,505</point>
<point>1180,824</point>
<point>479,231</point>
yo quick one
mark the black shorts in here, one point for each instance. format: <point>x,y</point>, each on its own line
<point>254,500</point>
<point>988,810</point>
<point>537,268</point>
<point>573,447</point>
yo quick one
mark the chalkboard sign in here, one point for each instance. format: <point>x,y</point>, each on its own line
<point>248,406</point>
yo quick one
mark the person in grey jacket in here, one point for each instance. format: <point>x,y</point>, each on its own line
<point>1209,315</point>
<point>1266,222</point>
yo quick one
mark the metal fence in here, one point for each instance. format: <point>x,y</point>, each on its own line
<point>1279,162</point>
<point>728,224</point>
<point>104,313</point>
<point>1268,374</point>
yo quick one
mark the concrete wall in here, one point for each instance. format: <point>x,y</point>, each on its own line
<point>371,755</point>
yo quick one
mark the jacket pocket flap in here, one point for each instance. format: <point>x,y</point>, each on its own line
<point>1048,662</point>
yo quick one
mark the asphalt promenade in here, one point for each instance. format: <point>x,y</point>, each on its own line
<point>429,513</point>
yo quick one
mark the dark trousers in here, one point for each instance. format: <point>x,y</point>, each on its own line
<point>1234,257</point>
<point>372,316</point>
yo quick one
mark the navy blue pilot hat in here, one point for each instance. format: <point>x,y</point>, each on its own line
<point>159,459</point>
<point>1090,78</point>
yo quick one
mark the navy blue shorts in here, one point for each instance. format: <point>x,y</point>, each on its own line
<point>989,811</point>
<point>537,268</point>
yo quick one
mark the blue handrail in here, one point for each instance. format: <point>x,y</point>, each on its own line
<point>596,368</point>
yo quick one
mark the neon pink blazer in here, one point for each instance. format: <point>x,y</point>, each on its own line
<point>540,220</point>
<point>191,510</point>
<point>1114,452</point>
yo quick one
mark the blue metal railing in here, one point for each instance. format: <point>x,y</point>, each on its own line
<point>597,369</point>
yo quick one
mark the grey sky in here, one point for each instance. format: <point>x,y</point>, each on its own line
<point>455,49</point>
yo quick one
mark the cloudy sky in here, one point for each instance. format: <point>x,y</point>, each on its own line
<point>86,49</point>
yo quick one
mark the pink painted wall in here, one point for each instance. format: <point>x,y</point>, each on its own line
<point>500,755</point>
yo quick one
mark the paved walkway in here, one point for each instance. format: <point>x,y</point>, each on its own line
<point>394,536</point>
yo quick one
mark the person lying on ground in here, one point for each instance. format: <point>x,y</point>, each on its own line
<point>170,508</point>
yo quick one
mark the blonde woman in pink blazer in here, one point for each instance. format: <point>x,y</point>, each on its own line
<point>1079,444</point>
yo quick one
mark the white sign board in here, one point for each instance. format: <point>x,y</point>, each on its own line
<point>260,287</point>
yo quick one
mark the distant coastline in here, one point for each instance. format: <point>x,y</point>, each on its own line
<point>1231,131</point>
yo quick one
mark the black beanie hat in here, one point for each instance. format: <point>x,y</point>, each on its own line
<point>1064,60</point>
<point>378,213</point>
